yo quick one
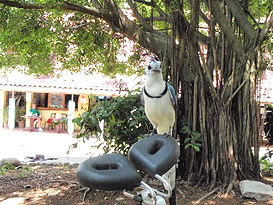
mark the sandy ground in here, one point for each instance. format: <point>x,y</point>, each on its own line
<point>19,144</point>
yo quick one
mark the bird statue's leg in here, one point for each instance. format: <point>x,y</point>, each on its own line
<point>167,134</point>
<point>154,131</point>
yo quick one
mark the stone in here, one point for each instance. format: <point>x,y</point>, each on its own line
<point>15,200</point>
<point>51,162</point>
<point>40,157</point>
<point>13,161</point>
<point>256,190</point>
<point>120,199</point>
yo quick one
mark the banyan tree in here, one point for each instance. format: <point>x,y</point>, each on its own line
<point>212,52</point>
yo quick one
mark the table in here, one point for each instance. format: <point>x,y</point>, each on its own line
<point>31,121</point>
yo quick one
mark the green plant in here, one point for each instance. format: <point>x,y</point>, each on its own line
<point>19,111</point>
<point>193,138</point>
<point>124,123</point>
<point>266,166</point>
<point>5,168</point>
<point>24,172</point>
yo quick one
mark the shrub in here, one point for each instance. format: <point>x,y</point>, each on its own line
<point>124,123</point>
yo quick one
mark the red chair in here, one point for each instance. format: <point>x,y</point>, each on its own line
<point>50,121</point>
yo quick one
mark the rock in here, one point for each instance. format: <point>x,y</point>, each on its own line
<point>15,200</point>
<point>27,161</point>
<point>13,161</point>
<point>40,157</point>
<point>255,189</point>
<point>51,162</point>
<point>120,199</point>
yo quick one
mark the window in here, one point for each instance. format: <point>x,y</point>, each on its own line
<point>41,99</point>
<point>55,100</point>
<point>75,99</point>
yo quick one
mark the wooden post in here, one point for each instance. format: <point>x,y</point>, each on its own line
<point>3,107</point>
<point>29,98</point>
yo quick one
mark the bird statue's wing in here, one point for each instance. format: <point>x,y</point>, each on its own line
<point>142,97</point>
<point>172,94</point>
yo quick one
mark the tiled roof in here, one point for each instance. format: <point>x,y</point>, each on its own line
<point>78,83</point>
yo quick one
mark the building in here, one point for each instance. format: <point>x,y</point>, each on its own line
<point>52,94</point>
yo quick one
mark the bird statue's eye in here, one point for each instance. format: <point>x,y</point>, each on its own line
<point>149,67</point>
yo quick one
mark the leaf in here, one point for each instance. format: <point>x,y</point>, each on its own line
<point>196,134</point>
<point>85,114</point>
<point>198,144</point>
<point>77,121</point>
<point>187,140</point>
<point>196,148</point>
<point>187,145</point>
<point>185,130</point>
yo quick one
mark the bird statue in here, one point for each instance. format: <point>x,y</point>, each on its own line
<point>159,100</point>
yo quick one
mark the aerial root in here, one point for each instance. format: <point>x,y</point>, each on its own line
<point>230,187</point>
<point>63,181</point>
<point>207,195</point>
<point>82,189</point>
<point>85,193</point>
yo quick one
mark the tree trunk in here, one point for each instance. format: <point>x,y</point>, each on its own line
<point>215,76</point>
<point>219,103</point>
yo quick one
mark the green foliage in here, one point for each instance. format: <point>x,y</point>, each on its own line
<point>193,139</point>
<point>124,119</point>
<point>268,124</point>
<point>24,172</point>
<point>24,42</point>
<point>6,168</point>
<point>34,40</point>
<point>19,111</point>
<point>262,8</point>
<point>266,166</point>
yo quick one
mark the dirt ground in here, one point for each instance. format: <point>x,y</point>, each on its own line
<point>44,184</point>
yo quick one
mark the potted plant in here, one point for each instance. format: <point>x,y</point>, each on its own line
<point>19,112</point>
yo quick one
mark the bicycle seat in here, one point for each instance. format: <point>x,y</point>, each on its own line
<point>155,154</point>
<point>108,172</point>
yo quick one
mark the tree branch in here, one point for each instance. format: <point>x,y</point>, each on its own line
<point>235,93</point>
<point>268,25</point>
<point>236,9</point>
<point>154,5</point>
<point>64,6</point>
<point>227,29</point>
<point>22,5</point>
<point>74,7</point>
<point>151,3</point>
<point>97,5</point>
<point>138,15</point>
